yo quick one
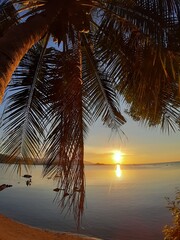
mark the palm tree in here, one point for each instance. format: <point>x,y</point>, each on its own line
<point>67,62</point>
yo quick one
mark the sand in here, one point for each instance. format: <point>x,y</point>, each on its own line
<point>12,230</point>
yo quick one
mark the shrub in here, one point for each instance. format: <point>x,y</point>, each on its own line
<point>173,232</point>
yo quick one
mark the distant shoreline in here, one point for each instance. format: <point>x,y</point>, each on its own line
<point>114,164</point>
<point>132,164</point>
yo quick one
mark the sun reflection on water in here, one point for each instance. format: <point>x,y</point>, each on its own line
<point>118,171</point>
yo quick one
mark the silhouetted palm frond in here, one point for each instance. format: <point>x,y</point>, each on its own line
<point>160,97</point>
<point>99,89</point>
<point>63,149</point>
<point>141,57</point>
<point>22,118</point>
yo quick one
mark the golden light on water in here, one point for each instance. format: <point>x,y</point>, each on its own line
<point>118,171</point>
<point>117,156</point>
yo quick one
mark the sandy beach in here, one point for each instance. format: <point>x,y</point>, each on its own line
<point>12,230</point>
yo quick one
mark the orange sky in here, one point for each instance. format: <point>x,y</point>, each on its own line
<point>142,145</point>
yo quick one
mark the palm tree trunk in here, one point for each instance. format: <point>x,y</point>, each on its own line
<point>17,41</point>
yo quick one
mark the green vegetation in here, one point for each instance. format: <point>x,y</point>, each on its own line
<point>173,232</point>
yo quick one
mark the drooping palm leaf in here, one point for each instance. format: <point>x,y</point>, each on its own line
<point>141,58</point>
<point>64,143</point>
<point>99,89</point>
<point>160,97</point>
<point>22,120</point>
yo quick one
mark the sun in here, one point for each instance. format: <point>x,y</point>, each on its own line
<point>117,156</point>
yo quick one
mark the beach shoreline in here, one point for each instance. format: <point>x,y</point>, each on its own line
<point>12,230</point>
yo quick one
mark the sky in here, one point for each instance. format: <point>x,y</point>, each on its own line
<point>141,144</point>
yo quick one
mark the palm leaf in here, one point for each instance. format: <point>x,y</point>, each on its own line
<point>140,57</point>
<point>159,97</point>
<point>64,142</point>
<point>99,89</point>
<point>22,121</point>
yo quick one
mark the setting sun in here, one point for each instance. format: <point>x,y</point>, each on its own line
<point>117,156</point>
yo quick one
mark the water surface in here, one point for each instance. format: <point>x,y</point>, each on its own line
<point>127,203</point>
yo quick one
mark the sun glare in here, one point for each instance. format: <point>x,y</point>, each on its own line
<point>117,156</point>
<point>118,171</point>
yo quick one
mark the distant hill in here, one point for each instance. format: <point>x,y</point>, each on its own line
<point>88,163</point>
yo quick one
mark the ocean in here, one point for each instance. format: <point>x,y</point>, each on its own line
<point>121,202</point>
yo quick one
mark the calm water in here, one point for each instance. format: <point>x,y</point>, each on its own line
<point>128,204</point>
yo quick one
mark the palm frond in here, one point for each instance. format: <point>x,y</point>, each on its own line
<point>22,121</point>
<point>99,89</point>
<point>141,57</point>
<point>64,142</point>
<point>156,20</point>
<point>28,8</point>
<point>153,91</point>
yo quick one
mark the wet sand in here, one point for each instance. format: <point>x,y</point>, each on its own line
<point>12,230</point>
